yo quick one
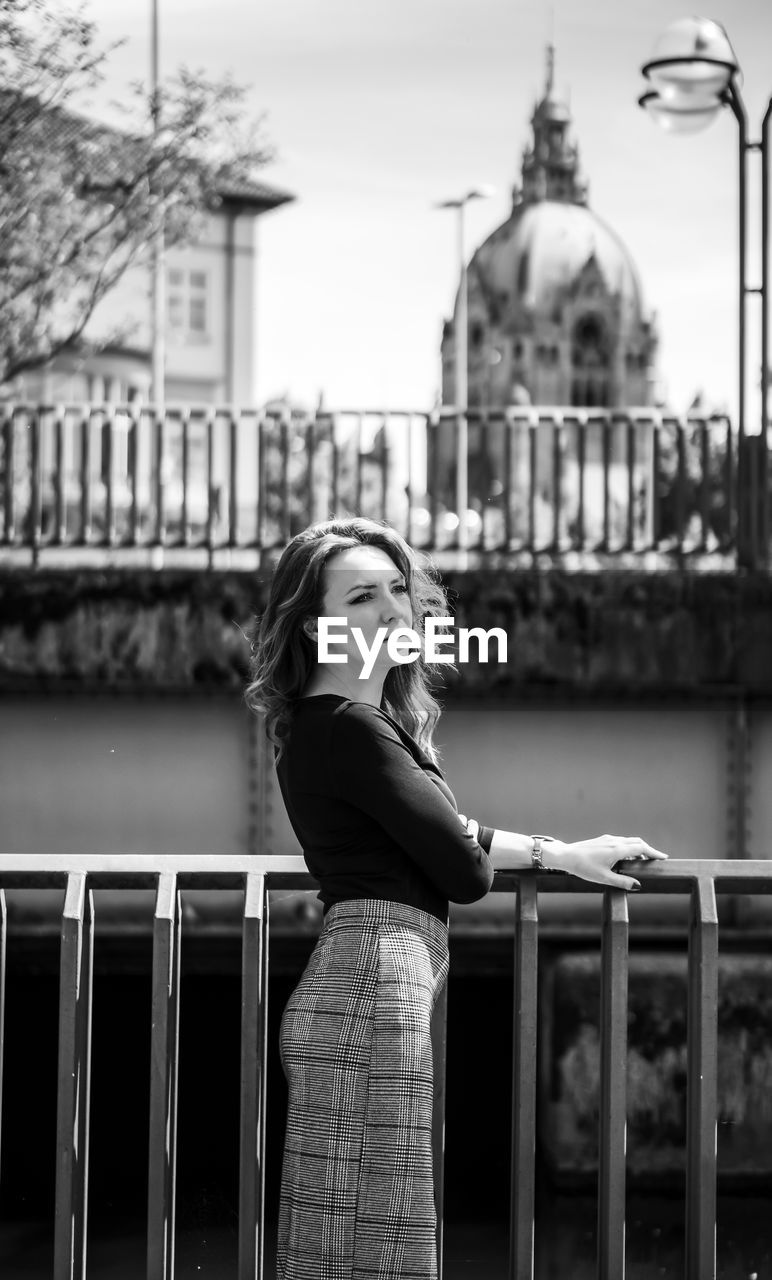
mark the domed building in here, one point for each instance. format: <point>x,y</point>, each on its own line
<point>555,307</point>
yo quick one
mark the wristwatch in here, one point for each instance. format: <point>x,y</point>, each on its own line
<point>536,853</point>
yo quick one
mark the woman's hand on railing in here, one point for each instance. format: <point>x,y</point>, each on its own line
<point>595,859</point>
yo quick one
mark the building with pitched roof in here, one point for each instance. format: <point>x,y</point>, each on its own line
<point>211,303</point>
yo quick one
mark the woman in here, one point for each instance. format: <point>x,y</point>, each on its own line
<point>381,833</point>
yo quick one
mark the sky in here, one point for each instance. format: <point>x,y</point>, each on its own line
<point>379,109</point>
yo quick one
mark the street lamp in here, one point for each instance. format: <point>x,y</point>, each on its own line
<point>461,360</point>
<point>694,73</point>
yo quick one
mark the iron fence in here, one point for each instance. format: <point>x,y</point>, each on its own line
<point>254,875</point>
<point>538,479</point>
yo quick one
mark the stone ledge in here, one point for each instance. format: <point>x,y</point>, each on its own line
<point>620,632</point>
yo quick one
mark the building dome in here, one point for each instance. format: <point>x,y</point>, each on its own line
<point>532,262</point>
<point>554,306</point>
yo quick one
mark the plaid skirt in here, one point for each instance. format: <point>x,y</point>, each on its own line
<point>357,1190</point>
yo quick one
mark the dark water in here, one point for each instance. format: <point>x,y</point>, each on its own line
<point>565,1245</point>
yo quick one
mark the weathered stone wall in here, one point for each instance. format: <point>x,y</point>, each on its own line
<point>656,1065</point>
<point>623,632</point>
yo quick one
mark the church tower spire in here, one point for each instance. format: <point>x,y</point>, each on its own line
<point>551,164</point>
<point>550,71</point>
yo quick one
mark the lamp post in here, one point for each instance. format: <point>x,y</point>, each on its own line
<point>694,73</point>
<point>461,361</point>
<point>158,265</point>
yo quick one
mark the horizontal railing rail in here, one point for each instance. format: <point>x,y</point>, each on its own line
<point>255,875</point>
<point>118,477</point>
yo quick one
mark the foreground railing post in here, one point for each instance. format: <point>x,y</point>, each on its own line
<point>3,934</point>
<point>164,1047</point>
<point>521,1248</point>
<point>439,1031</point>
<point>702,1087</point>
<point>73,1091</point>
<point>612,1143</point>
<point>254,1036</point>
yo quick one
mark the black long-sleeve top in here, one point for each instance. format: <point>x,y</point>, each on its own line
<point>374,815</point>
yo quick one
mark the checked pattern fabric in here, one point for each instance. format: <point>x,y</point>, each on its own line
<point>357,1192</point>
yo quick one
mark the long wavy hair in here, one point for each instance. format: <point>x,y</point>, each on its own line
<point>284,656</point>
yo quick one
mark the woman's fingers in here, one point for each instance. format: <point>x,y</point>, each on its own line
<point>636,847</point>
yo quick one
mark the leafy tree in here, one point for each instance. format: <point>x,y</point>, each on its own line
<point>81,202</point>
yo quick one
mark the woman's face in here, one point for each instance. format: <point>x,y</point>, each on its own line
<point>364,586</point>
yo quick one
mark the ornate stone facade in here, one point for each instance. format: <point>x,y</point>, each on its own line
<point>556,313</point>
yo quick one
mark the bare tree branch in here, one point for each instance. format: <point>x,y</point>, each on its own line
<point>81,202</point>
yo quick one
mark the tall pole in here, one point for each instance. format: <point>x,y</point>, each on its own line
<point>462,392</point>
<point>158,290</point>
<point>766,373</point>
<point>745,505</point>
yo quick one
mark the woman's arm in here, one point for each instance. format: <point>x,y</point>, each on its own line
<point>372,769</point>
<point>587,859</point>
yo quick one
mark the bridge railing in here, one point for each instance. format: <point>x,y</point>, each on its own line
<point>254,876</point>
<point>122,477</point>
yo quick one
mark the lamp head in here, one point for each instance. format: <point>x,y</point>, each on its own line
<point>690,71</point>
<point>692,54</point>
<point>481,192</point>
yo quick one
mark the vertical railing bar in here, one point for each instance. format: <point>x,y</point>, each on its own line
<point>285,437</point>
<point>522,1192</point>
<point>557,433</point>
<point>439,1035</point>
<point>481,419</point>
<point>612,1139</point>
<point>261,488</point>
<point>605,427</point>
<point>384,463</point>
<point>409,485</point>
<point>358,471</point>
<point>680,485</point>
<point>108,443</point>
<point>132,462</point>
<point>74,1080</point>
<point>60,515</point>
<point>433,429</point>
<point>35,513</point>
<point>185,532</point>
<point>233,471</point>
<point>702,1088</point>
<point>312,431</point>
<point>730,492</point>
<point>9,434</point>
<point>164,1051</point>
<point>3,937</point>
<point>254,1021</point>
<point>704,484</point>
<point>335,461</point>
<point>532,478</point>
<point>581,457</point>
<point>159,428</point>
<point>209,537</point>
<point>508,427</point>
<point>631,441</point>
<point>656,501</point>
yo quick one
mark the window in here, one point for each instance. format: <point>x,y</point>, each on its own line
<point>188,305</point>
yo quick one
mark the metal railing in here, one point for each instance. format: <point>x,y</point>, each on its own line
<point>170,875</point>
<point>538,479</point>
